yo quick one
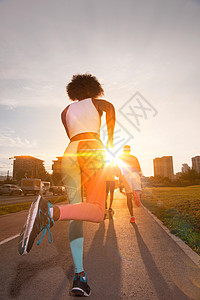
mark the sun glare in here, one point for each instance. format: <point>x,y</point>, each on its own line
<point>110,157</point>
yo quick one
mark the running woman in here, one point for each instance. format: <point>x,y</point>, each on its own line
<point>83,165</point>
<point>110,183</point>
<point>131,170</point>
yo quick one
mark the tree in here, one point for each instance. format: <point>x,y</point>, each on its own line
<point>190,177</point>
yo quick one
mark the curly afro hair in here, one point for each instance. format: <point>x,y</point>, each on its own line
<point>84,86</point>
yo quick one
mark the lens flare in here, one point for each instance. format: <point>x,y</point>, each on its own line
<point>110,157</point>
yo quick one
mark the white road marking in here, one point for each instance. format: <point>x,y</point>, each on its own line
<point>9,239</point>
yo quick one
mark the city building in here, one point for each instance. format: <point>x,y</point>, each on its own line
<point>28,167</point>
<point>196,163</point>
<point>56,167</point>
<point>56,175</point>
<point>163,166</point>
<point>185,168</point>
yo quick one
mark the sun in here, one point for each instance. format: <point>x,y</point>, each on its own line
<point>111,158</point>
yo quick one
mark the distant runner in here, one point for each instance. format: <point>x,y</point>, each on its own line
<point>83,165</point>
<point>110,184</point>
<point>130,168</point>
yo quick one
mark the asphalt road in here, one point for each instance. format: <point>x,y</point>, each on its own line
<point>123,261</point>
<point>15,199</point>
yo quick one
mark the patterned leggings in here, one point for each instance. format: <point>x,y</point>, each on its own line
<point>83,166</point>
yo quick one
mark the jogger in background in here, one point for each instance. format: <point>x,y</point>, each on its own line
<point>131,171</point>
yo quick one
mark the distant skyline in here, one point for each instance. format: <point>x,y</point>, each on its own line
<point>150,47</point>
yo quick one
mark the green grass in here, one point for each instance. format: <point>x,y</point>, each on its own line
<point>179,209</point>
<point>13,208</point>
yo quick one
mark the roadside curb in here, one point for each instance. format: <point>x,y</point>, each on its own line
<point>186,249</point>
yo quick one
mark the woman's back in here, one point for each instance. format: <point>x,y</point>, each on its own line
<point>82,116</point>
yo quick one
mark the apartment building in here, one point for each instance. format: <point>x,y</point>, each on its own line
<point>196,163</point>
<point>163,166</point>
<point>27,166</point>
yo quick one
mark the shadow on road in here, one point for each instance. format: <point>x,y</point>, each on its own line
<point>25,272</point>
<point>104,262</point>
<point>161,287</point>
<point>28,270</point>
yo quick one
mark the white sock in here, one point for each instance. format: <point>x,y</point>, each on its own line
<point>51,211</point>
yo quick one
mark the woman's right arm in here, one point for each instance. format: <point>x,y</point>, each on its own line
<point>108,108</point>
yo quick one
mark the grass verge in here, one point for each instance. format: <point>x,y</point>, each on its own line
<point>13,208</point>
<point>179,209</point>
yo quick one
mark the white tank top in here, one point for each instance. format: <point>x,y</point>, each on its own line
<point>82,116</point>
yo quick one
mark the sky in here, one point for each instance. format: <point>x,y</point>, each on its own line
<point>145,54</point>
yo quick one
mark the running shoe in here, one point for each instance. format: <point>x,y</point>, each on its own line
<point>80,286</point>
<point>39,219</point>
<point>132,219</point>
<point>137,198</point>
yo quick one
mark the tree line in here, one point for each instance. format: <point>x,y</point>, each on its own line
<point>191,177</point>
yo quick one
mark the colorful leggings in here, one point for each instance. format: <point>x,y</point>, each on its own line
<point>83,166</point>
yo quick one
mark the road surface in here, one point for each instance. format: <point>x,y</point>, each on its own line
<point>123,261</point>
<point>15,199</point>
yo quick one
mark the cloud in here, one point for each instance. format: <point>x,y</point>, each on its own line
<point>8,138</point>
<point>30,93</point>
